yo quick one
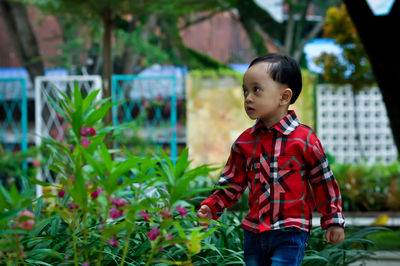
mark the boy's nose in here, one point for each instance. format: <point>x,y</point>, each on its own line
<point>248,99</point>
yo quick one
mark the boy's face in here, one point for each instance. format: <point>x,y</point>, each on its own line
<point>263,97</point>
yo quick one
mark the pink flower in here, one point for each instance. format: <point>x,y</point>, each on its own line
<point>100,227</point>
<point>119,202</point>
<point>92,131</point>
<point>24,221</point>
<point>71,148</point>
<point>115,213</point>
<point>165,214</point>
<point>113,242</point>
<point>145,215</point>
<point>96,193</point>
<point>85,142</point>
<point>153,234</point>
<point>72,206</point>
<point>182,211</point>
<point>72,179</point>
<point>170,236</point>
<point>85,263</point>
<point>84,131</point>
<point>61,193</point>
<point>60,117</point>
<point>35,163</point>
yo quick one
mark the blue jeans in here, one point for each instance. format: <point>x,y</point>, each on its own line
<point>275,247</point>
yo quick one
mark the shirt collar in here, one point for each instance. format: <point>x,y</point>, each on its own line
<point>286,125</point>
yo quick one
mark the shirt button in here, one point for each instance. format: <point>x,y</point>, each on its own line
<point>291,165</point>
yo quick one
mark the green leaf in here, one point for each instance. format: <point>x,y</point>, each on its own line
<point>56,106</point>
<point>6,195</point>
<point>98,114</point>
<point>42,253</point>
<point>89,99</point>
<point>105,155</point>
<point>39,262</point>
<point>77,96</point>
<point>9,214</point>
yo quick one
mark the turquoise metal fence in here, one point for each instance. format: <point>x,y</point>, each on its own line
<point>13,122</point>
<point>151,103</point>
<point>13,114</point>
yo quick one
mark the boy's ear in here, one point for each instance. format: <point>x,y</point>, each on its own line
<point>286,96</point>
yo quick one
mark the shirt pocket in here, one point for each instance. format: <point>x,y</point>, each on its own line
<point>290,169</point>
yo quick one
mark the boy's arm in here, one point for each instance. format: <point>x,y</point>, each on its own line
<point>234,177</point>
<point>325,188</point>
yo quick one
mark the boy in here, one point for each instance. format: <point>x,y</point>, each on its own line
<point>280,160</point>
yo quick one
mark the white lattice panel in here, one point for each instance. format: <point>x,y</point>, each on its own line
<point>47,121</point>
<point>341,117</point>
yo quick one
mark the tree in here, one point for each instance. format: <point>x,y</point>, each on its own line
<point>377,34</point>
<point>291,36</point>
<point>22,37</point>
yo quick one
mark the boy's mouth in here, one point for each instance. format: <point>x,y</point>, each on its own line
<point>250,109</point>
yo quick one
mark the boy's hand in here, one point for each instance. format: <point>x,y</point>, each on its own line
<point>334,234</point>
<point>204,213</point>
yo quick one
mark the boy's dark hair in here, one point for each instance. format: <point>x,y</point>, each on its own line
<point>284,70</point>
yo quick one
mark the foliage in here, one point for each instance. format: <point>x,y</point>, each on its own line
<point>369,188</point>
<point>14,166</point>
<point>353,67</point>
<point>106,209</point>
<point>354,248</point>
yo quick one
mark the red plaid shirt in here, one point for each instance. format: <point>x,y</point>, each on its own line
<point>280,165</point>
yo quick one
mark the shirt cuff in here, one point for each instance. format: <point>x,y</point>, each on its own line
<point>332,219</point>
<point>211,202</point>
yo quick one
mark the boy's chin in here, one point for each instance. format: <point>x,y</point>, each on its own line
<point>252,117</point>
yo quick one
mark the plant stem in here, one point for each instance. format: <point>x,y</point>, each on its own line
<point>18,252</point>
<point>128,233</point>
<point>101,235</point>
<point>75,250</point>
<point>85,236</point>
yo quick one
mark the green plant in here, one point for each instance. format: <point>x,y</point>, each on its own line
<point>354,248</point>
<point>369,187</point>
<point>107,209</point>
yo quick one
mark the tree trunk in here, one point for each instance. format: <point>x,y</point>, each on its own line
<point>377,34</point>
<point>107,60</point>
<point>22,37</point>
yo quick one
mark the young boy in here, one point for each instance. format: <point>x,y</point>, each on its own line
<point>280,160</point>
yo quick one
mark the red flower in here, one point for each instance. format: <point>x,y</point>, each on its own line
<point>113,242</point>
<point>84,131</point>
<point>96,193</point>
<point>92,131</point>
<point>85,142</point>
<point>153,234</point>
<point>36,163</point>
<point>61,193</point>
<point>165,214</point>
<point>145,215</point>
<point>115,213</point>
<point>72,206</point>
<point>23,220</point>
<point>182,211</point>
<point>119,202</point>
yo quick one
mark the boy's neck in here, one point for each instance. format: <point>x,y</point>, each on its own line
<point>272,121</point>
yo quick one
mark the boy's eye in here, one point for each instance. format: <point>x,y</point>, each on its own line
<point>245,91</point>
<point>256,89</point>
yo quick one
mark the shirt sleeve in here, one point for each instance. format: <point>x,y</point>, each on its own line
<point>234,178</point>
<point>325,188</point>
